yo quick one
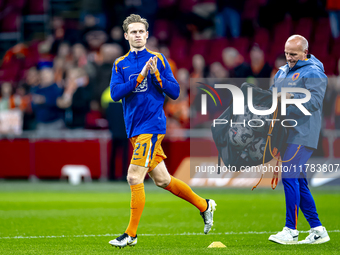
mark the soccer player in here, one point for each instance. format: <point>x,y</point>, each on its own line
<point>141,78</point>
<point>303,71</point>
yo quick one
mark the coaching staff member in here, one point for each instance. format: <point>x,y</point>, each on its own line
<point>301,71</point>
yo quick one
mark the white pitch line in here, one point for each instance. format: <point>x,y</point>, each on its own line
<point>178,234</point>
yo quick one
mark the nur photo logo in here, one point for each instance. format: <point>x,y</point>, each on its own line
<point>239,106</point>
<point>204,97</point>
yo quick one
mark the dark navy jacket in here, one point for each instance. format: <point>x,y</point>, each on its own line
<point>48,111</point>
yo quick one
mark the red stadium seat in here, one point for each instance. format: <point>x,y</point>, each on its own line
<point>215,49</point>
<point>320,48</point>
<point>336,48</point>
<point>329,64</point>
<point>162,30</point>
<point>275,51</point>
<point>21,74</point>
<point>32,57</point>
<point>187,5</point>
<point>17,4</point>
<point>10,72</point>
<point>11,22</point>
<point>166,3</point>
<point>36,7</point>
<point>2,4</point>
<point>304,27</point>
<point>322,30</point>
<point>262,39</point>
<point>283,30</point>
<point>179,51</point>
<point>251,9</point>
<point>199,47</point>
<point>242,45</point>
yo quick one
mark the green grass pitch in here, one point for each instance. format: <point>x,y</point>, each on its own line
<point>56,218</point>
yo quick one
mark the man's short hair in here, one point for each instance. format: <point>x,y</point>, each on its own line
<point>134,18</point>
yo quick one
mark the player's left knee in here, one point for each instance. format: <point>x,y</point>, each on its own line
<point>162,183</point>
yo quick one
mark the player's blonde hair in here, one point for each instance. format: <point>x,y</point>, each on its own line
<point>134,18</point>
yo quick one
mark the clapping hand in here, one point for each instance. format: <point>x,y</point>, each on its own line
<point>153,65</point>
<point>146,68</point>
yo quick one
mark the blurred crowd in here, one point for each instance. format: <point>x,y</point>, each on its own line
<point>63,90</point>
<point>62,80</point>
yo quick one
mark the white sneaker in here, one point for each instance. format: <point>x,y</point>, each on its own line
<point>123,241</point>
<point>286,236</point>
<point>316,235</point>
<point>208,215</point>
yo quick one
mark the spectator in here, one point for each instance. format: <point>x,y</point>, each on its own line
<point>93,21</point>
<point>59,66</point>
<point>119,141</point>
<point>280,61</point>
<point>152,44</point>
<point>32,80</point>
<point>198,64</point>
<point>165,51</point>
<point>117,36</point>
<point>178,109</point>
<point>20,98</point>
<point>220,75</point>
<point>333,7</point>
<point>183,78</point>
<point>58,29</point>
<point>44,49</point>
<point>94,40</point>
<point>92,14</point>
<point>64,52</point>
<point>195,18</point>
<point>13,61</point>
<point>76,98</point>
<point>80,59</point>
<point>79,55</point>
<point>7,98</point>
<point>235,64</point>
<point>259,68</point>
<point>228,18</point>
<point>109,52</point>
<point>58,34</point>
<point>44,102</point>
<point>218,71</point>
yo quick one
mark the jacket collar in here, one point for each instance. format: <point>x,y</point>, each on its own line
<point>310,60</point>
<point>138,54</point>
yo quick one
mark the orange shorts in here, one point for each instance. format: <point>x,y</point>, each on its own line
<point>147,150</point>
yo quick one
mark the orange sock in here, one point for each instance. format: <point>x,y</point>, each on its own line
<point>182,190</point>
<point>136,208</point>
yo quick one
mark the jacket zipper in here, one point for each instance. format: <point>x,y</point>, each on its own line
<point>137,60</point>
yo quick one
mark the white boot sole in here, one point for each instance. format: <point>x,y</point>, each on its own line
<point>319,241</point>
<point>276,240</point>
